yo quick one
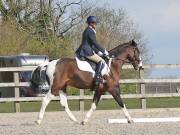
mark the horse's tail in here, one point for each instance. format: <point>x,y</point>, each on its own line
<point>38,78</point>
<point>42,77</point>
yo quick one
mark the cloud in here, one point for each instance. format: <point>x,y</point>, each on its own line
<point>163,15</point>
<point>170,18</point>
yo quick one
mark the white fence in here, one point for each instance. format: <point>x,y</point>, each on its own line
<point>16,84</point>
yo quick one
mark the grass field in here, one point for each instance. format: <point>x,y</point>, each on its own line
<point>8,107</point>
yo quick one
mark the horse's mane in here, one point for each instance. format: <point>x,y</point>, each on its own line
<point>117,50</point>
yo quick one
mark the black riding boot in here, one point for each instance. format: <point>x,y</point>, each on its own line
<point>98,74</point>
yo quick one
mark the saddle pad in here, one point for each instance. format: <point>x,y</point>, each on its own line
<point>85,66</point>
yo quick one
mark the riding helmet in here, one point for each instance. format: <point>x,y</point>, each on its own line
<point>91,19</point>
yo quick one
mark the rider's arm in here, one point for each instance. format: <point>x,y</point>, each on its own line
<point>92,38</point>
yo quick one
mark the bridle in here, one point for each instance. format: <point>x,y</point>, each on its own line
<point>131,61</point>
<point>126,61</point>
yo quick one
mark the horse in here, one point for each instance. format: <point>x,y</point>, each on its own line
<point>64,72</point>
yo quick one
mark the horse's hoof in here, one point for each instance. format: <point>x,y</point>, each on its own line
<point>38,122</point>
<point>130,121</point>
<point>83,123</point>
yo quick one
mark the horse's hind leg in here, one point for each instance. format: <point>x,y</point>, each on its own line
<point>63,101</point>
<point>96,99</point>
<point>45,102</point>
<point>50,71</point>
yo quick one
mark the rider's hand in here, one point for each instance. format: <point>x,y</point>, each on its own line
<point>100,53</point>
<point>107,57</point>
<point>106,53</point>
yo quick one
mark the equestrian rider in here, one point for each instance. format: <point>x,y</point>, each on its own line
<point>90,49</point>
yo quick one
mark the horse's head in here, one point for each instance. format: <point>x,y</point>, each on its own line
<point>127,51</point>
<point>134,55</point>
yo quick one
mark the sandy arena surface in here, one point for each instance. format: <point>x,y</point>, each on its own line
<point>58,123</point>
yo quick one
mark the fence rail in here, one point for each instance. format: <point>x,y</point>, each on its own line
<point>87,97</point>
<point>16,84</point>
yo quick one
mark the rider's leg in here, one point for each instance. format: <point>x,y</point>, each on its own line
<point>98,72</point>
<point>100,64</point>
<point>96,58</point>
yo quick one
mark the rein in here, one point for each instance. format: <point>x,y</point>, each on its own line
<point>126,61</point>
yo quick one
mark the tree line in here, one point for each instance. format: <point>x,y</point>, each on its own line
<point>55,27</point>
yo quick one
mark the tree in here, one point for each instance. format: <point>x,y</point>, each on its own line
<point>46,21</point>
<point>14,41</point>
<point>47,17</point>
<point>59,24</point>
<point>55,28</point>
<point>114,28</point>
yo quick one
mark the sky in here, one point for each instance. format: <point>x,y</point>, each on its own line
<point>159,20</point>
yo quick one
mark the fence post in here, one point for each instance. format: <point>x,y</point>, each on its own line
<point>81,101</point>
<point>16,81</point>
<point>142,88</point>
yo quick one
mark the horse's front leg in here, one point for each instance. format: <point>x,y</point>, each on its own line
<point>63,101</point>
<point>94,104</point>
<point>116,94</point>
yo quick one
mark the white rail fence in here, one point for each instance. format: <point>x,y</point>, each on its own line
<point>16,84</point>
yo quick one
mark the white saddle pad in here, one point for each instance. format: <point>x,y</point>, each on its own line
<point>85,66</point>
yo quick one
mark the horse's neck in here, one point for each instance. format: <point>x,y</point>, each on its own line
<point>119,62</point>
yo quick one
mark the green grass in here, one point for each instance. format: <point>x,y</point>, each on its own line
<point>103,105</point>
<point>111,104</point>
<point>163,102</point>
<point>6,107</point>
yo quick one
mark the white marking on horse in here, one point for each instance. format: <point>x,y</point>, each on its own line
<point>63,101</point>
<point>45,102</point>
<point>50,71</point>
<point>89,113</point>
<point>126,113</point>
<point>51,67</point>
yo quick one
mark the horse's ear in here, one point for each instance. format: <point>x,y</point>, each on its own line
<point>134,43</point>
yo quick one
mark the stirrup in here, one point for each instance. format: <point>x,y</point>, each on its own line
<point>96,86</point>
<point>98,81</point>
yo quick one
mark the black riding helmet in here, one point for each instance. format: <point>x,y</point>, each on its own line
<point>91,19</point>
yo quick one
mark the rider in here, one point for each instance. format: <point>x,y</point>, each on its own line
<point>90,49</point>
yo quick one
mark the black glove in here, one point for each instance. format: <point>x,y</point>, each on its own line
<point>106,56</point>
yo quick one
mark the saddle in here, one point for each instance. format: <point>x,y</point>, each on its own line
<point>85,64</point>
<point>91,63</point>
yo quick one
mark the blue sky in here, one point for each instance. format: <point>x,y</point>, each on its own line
<point>159,20</point>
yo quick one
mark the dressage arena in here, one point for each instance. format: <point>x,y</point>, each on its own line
<point>58,123</point>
